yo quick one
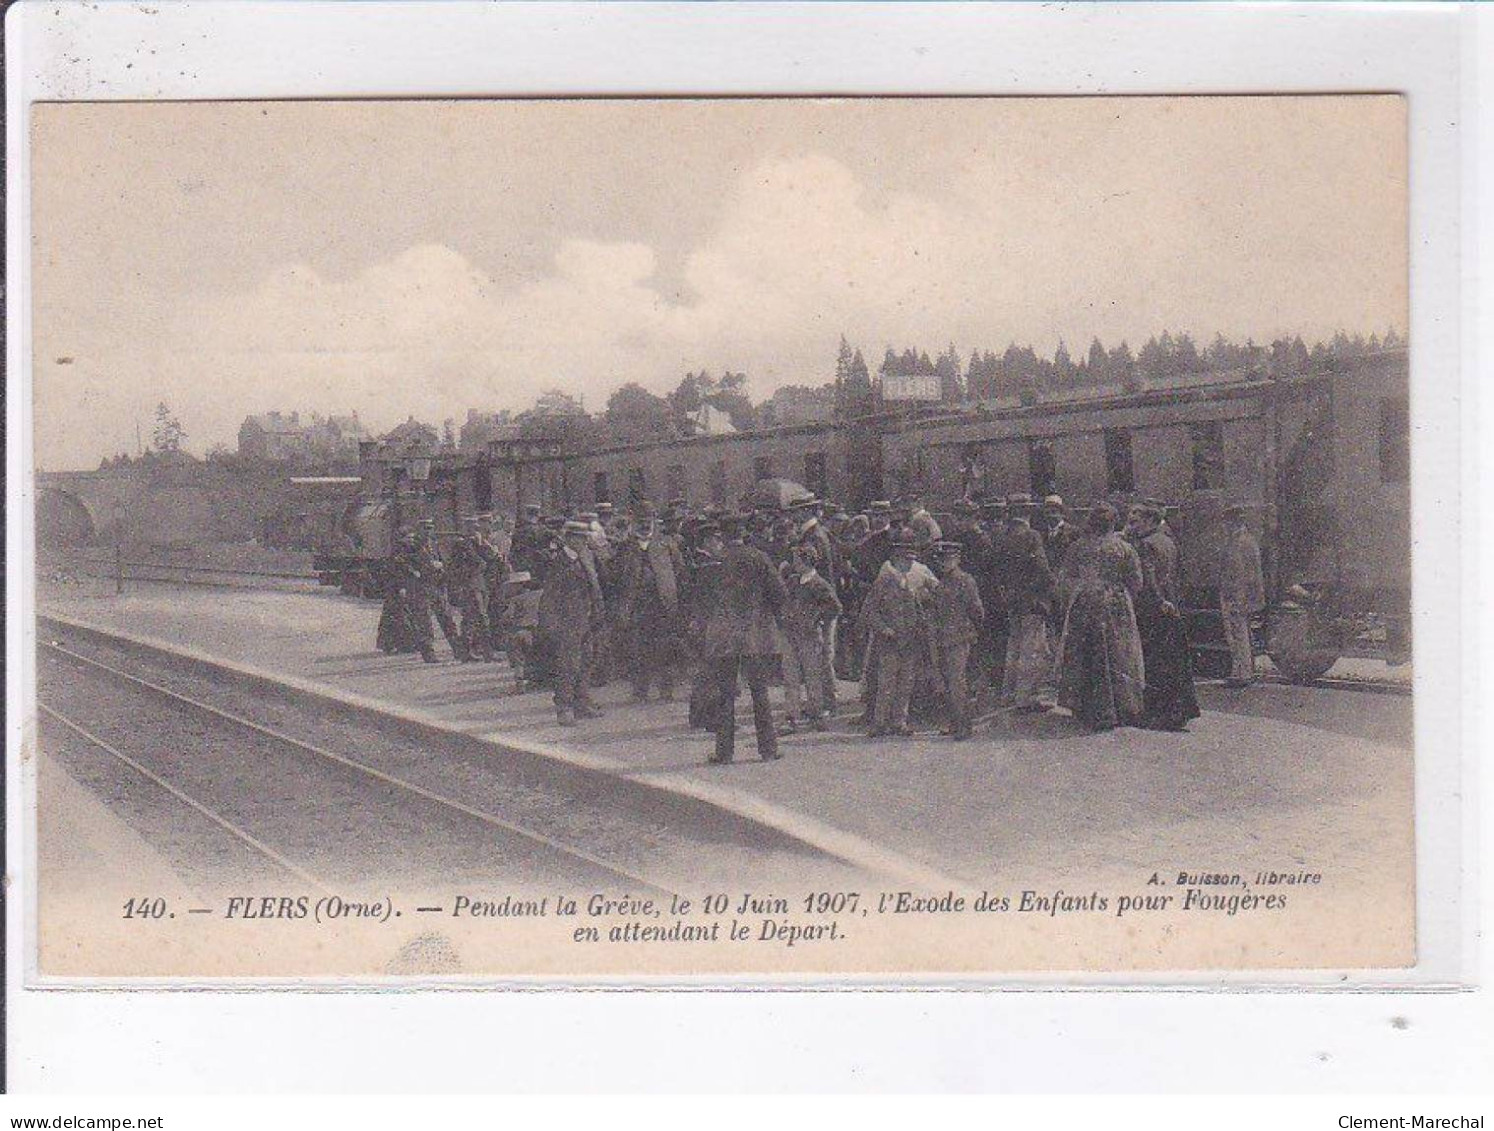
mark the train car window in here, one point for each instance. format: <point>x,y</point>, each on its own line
<point>1208,455</point>
<point>1395,439</point>
<point>762,468</point>
<point>1042,467</point>
<point>637,485</point>
<point>599,487</point>
<point>1120,469</point>
<point>816,473</point>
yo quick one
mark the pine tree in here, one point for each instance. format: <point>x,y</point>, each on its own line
<point>1187,357</point>
<point>1123,369</point>
<point>1298,362</point>
<point>1099,363</point>
<point>168,433</point>
<point>1063,367</point>
<point>948,370</point>
<point>976,387</point>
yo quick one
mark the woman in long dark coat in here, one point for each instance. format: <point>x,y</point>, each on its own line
<point>396,626</point>
<point>1101,674</point>
<point>1170,698</point>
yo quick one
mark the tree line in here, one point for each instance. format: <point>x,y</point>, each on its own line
<point>1020,373</point>
<point>634,415</point>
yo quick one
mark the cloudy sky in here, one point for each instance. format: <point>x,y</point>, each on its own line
<point>427,257</point>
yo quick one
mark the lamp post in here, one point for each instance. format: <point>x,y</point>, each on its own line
<point>119,517</point>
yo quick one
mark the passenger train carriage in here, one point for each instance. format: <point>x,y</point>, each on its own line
<point>1320,462</point>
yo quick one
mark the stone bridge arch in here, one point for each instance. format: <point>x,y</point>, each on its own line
<point>63,519</point>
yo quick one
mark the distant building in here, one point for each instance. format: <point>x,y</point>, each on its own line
<point>412,438</point>
<point>482,428</point>
<point>709,420</point>
<point>270,437</point>
<point>274,437</point>
<point>913,387</point>
<point>800,404</point>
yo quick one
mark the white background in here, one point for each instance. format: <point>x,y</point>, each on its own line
<point>754,1040</point>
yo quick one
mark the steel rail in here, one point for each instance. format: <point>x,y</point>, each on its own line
<point>378,775</point>
<point>185,567</point>
<point>222,822</point>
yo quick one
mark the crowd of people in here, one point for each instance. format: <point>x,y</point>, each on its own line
<point>1006,606</point>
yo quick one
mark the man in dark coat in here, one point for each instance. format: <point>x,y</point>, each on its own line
<point>739,634</point>
<point>649,573</point>
<point>467,587</point>
<point>1058,534</point>
<point>990,646</point>
<point>570,614</point>
<point>429,588</point>
<point>703,563</point>
<point>869,557</point>
<point>530,540</point>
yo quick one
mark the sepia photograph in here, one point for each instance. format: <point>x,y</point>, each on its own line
<point>699,538</point>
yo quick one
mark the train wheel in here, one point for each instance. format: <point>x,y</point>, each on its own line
<point>1302,644</point>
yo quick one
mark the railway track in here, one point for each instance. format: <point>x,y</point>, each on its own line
<point>216,766</point>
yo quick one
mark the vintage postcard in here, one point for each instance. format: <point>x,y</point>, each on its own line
<point>895,538</point>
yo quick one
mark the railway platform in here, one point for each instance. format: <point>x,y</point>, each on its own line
<point>1275,771</point>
